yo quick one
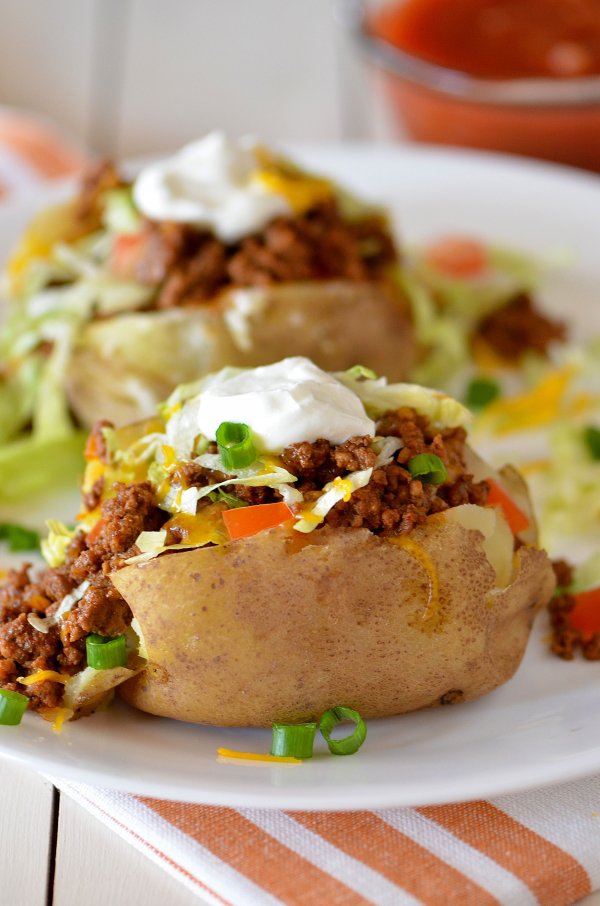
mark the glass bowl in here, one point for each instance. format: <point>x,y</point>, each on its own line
<point>551,118</point>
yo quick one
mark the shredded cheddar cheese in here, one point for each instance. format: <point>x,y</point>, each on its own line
<point>49,227</point>
<point>169,457</point>
<point>87,520</point>
<point>206,527</point>
<point>94,470</point>
<point>345,486</point>
<point>539,406</point>
<point>172,410</point>
<point>41,676</point>
<point>485,358</point>
<point>308,516</point>
<point>57,716</point>
<point>230,754</point>
<point>534,466</point>
<point>420,554</point>
<point>300,190</point>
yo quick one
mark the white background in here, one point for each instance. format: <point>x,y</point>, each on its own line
<point>132,76</point>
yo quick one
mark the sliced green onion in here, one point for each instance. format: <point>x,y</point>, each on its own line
<point>104,653</point>
<point>427,467</point>
<point>295,740</point>
<point>221,496</point>
<point>591,436</point>
<point>235,445</point>
<point>361,371</point>
<point>482,391</point>
<point>18,537</point>
<point>12,707</point>
<point>350,744</point>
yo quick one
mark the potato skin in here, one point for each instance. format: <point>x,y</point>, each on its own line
<point>124,366</point>
<point>277,628</point>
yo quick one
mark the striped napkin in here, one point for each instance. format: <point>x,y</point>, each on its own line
<point>536,848</point>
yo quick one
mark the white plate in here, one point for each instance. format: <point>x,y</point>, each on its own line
<point>540,728</point>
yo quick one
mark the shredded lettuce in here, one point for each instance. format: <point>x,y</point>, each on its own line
<point>262,473</point>
<point>587,575</point>
<point>378,397</point>
<point>333,492</point>
<point>447,310</point>
<point>569,489</point>
<point>31,464</point>
<point>54,546</point>
<point>120,213</point>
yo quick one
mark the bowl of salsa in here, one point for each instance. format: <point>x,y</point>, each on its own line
<point>519,76</point>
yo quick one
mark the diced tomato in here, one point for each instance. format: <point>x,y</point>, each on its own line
<point>125,255</point>
<point>585,616</point>
<point>93,533</point>
<point>242,522</point>
<point>92,448</point>
<point>458,256</point>
<point>515,517</point>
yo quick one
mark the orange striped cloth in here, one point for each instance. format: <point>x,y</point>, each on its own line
<point>32,151</point>
<point>532,848</point>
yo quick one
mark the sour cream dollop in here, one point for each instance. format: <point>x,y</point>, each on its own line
<point>210,183</point>
<point>285,403</point>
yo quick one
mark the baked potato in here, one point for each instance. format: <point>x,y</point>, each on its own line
<point>121,371</point>
<point>260,631</point>
<point>279,541</point>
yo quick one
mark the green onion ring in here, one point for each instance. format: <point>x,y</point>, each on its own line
<point>591,437</point>
<point>482,391</point>
<point>12,707</point>
<point>104,653</point>
<point>295,740</point>
<point>19,538</point>
<point>235,445</point>
<point>428,468</point>
<point>359,372</point>
<point>350,744</point>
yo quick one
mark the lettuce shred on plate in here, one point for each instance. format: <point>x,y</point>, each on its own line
<point>545,426</point>
<point>488,317</point>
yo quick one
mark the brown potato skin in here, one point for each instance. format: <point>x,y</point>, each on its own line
<point>338,324</point>
<point>281,628</point>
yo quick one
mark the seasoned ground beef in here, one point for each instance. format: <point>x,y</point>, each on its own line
<point>519,327</point>
<point>24,649</point>
<point>393,502</point>
<point>98,179</point>
<point>189,266</point>
<point>566,640</point>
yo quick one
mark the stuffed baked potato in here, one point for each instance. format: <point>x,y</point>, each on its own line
<point>222,255</point>
<point>280,541</point>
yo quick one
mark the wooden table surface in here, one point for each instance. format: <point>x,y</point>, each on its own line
<point>53,853</point>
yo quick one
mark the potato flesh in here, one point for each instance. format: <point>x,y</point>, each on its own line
<point>269,629</point>
<point>123,367</point>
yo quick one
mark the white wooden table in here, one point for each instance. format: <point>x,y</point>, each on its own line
<point>53,853</point>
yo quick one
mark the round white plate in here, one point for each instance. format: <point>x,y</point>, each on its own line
<point>542,726</point>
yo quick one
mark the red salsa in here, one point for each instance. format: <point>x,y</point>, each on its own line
<point>498,39</point>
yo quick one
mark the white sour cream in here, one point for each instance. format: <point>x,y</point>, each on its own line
<point>284,403</point>
<point>210,183</point>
